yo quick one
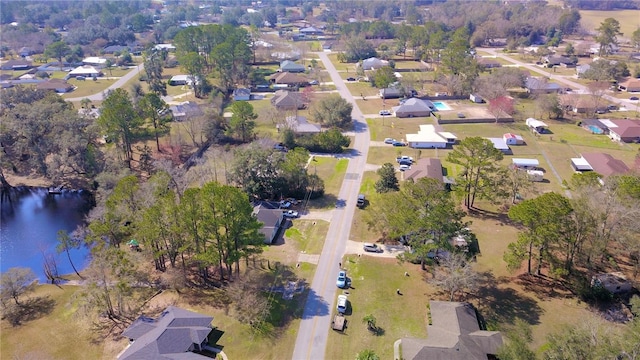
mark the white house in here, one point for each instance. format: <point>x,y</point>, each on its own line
<point>428,137</point>
<point>94,61</point>
<point>85,70</point>
<point>166,47</point>
<point>373,63</point>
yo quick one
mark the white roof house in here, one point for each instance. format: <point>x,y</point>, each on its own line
<point>533,123</point>
<point>373,63</point>
<point>500,144</point>
<point>428,137</point>
<point>167,47</point>
<point>94,60</point>
<point>84,70</point>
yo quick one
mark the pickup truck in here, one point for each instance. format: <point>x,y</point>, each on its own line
<point>339,323</point>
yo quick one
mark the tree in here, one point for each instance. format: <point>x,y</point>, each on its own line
<point>370,320</point>
<point>109,66</point>
<point>547,222</point>
<point>607,35</point>
<point>357,48</point>
<point>57,50</point>
<point>333,111</point>
<point>501,106</point>
<point>585,341</point>
<point>383,77</point>
<point>367,354</point>
<point>153,67</point>
<point>478,158</point>
<point>519,337</point>
<point>635,38</point>
<point>550,104</point>
<point>120,121</point>
<point>388,180</point>
<point>194,65</point>
<point>569,22</point>
<point>66,243</point>
<point>458,62</point>
<point>16,282</point>
<point>454,275</point>
<point>152,107</point>
<point>517,182</point>
<point>242,121</point>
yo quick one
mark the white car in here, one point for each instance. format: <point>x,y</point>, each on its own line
<point>291,214</point>
<point>342,304</point>
<point>389,140</point>
<point>384,112</point>
<point>404,167</point>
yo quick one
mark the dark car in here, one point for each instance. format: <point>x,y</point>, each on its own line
<point>351,79</point>
<point>633,98</point>
<point>405,162</point>
<point>399,143</point>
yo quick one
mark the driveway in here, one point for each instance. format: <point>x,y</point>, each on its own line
<point>118,84</point>
<point>311,341</point>
<point>390,251</point>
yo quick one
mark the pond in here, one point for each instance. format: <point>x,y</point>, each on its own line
<point>29,222</point>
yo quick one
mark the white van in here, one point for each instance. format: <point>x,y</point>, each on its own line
<point>342,304</point>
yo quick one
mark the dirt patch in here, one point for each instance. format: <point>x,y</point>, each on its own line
<point>18,180</point>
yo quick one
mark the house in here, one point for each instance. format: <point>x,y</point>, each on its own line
<point>56,66</point>
<point>614,282</point>
<point>94,61</point>
<point>513,139</point>
<point>525,163</point>
<point>242,94</point>
<point>26,51</point>
<point>310,31</point>
<point>292,67</point>
<point>181,80</point>
<point>373,63</point>
<point>176,334</point>
<point>558,60</point>
<point>112,49</point>
<point>580,103</point>
<point>185,111</point>
<point>536,125</point>
<point>536,85</point>
<point>19,64</point>
<point>595,126</point>
<point>165,47</point>
<point>476,98</point>
<point>425,168</point>
<point>287,100</point>
<point>500,144</point>
<point>630,85</point>
<point>414,107</point>
<point>57,85</point>
<point>85,71</point>
<point>488,63</point>
<point>391,93</point>
<point>453,334</point>
<point>272,220</point>
<point>299,125</point>
<point>428,137</point>
<point>603,164</point>
<point>623,130</point>
<point>289,79</point>
<point>327,45</point>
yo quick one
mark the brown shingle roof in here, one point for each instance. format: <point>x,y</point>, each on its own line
<point>605,164</point>
<point>288,78</point>
<point>425,167</point>
<point>626,128</point>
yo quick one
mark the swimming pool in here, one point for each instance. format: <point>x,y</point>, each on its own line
<point>440,105</point>
<point>595,129</point>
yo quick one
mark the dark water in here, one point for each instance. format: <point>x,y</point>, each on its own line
<point>29,224</point>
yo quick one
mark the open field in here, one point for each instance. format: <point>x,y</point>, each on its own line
<point>87,87</point>
<point>374,284</point>
<point>364,88</point>
<point>359,229</point>
<point>341,66</point>
<point>331,171</point>
<point>591,19</point>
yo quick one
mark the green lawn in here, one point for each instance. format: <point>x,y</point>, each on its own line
<point>307,236</point>
<point>341,66</point>
<point>359,230</point>
<point>374,284</point>
<point>331,171</point>
<point>87,87</point>
<point>628,19</point>
<point>364,88</point>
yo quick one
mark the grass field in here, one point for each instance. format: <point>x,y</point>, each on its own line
<point>87,87</point>
<point>331,171</point>
<point>591,19</point>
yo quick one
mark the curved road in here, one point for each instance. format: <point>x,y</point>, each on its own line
<point>316,319</point>
<point>118,84</point>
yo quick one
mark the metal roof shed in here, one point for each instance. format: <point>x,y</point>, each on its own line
<point>525,162</point>
<point>580,164</point>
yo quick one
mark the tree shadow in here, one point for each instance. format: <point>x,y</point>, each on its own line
<point>544,287</point>
<point>31,309</point>
<point>503,304</point>
<point>315,305</point>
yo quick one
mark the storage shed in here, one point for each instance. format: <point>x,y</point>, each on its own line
<point>535,175</point>
<point>500,144</point>
<point>580,164</point>
<point>536,125</point>
<point>476,98</point>
<point>513,139</point>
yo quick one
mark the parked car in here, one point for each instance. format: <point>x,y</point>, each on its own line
<point>633,98</point>
<point>284,204</point>
<point>280,147</point>
<point>404,162</point>
<point>404,167</point>
<point>342,304</point>
<point>384,112</point>
<point>313,82</point>
<point>368,247</point>
<point>351,79</point>
<point>404,158</point>
<point>461,115</point>
<point>399,143</point>
<point>389,140</point>
<point>291,214</point>
<point>342,280</point>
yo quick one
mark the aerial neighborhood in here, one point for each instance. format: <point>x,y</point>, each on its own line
<point>286,179</point>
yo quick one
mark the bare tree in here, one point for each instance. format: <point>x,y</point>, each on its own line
<point>455,275</point>
<point>16,282</point>
<point>597,89</point>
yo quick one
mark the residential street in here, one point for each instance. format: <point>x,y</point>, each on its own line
<point>316,319</point>
<point>118,84</point>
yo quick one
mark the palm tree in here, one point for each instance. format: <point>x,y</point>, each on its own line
<point>367,354</point>
<point>370,320</point>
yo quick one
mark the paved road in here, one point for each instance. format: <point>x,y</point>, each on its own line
<point>118,84</point>
<point>563,79</point>
<point>316,319</point>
